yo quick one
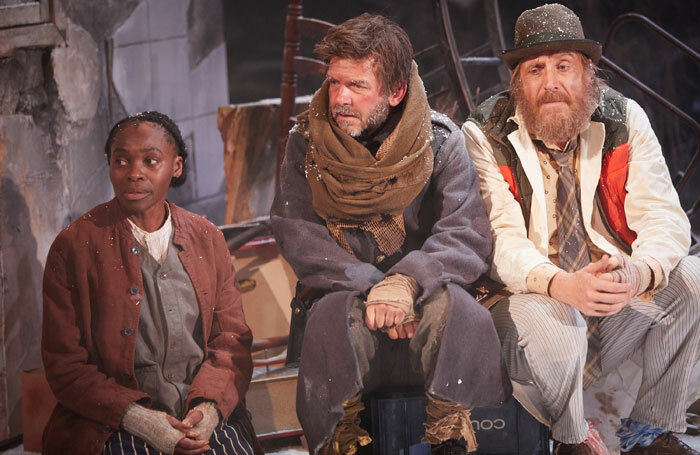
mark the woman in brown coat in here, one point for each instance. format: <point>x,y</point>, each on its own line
<point>144,341</point>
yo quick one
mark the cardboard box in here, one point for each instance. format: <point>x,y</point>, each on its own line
<point>271,399</point>
<point>267,285</point>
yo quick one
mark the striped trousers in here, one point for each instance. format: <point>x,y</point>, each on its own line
<point>231,437</point>
<point>544,346</point>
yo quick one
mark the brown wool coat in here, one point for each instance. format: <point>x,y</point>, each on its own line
<point>92,291</point>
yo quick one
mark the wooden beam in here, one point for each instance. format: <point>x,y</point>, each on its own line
<point>42,35</point>
<point>22,14</point>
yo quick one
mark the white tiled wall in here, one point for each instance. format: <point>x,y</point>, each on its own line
<point>210,73</point>
<point>209,155</point>
<point>135,28</point>
<point>170,78</point>
<point>131,73</point>
<point>167,18</point>
<point>151,71</point>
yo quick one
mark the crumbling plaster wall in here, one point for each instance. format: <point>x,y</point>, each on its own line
<point>56,108</point>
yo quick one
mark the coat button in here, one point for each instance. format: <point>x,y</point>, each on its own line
<point>163,276</point>
<point>135,250</point>
<point>128,331</point>
<point>106,429</point>
<point>380,258</point>
<point>133,290</point>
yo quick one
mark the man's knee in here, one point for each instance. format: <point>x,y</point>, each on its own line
<point>686,276</point>
<point>357,329</point>
<point>437,306</point>
<point>434,309</point>
<point>684,284</point>
<point>327,308</point>
<point>533,319</point>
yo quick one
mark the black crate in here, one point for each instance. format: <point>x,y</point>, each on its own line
<point>397,427</point>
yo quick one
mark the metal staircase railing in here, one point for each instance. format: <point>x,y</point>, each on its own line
<point>682,179</point>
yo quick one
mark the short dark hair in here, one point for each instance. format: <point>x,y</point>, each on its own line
<point>373,36</point>
<point>163,121</point>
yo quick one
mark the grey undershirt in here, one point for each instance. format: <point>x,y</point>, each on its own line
<point>169,343</point>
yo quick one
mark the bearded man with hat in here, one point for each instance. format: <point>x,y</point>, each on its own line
<point>379,209</point>
<point>590,241</point>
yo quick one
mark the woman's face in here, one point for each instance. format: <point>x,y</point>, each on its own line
<point>142,162</point>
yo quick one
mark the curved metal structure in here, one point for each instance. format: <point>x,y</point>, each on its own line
<point>604,61</point>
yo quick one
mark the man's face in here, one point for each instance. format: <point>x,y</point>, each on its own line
<point>357,103</point>
<point>553,95</point>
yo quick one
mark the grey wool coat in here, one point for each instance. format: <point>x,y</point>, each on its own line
<point>447,242</point>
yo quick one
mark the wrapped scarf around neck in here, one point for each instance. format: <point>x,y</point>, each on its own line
<point>350,187</point>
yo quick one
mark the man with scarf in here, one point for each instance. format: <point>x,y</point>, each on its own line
<point>379,208</point>
<point>590,240</point>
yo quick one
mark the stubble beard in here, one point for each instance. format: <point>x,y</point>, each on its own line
<point>375,119</point>
<point>558,127</point>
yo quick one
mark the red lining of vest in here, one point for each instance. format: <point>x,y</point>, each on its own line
<point>611,189</point>
<point>509,177</point>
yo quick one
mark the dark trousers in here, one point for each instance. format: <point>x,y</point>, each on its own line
<point>384,362</point>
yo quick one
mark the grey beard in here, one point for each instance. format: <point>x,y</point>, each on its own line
<point>375,119</point>
<point>559,128</point>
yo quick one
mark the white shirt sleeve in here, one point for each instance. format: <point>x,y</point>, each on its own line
<point>652,207</point>
<point>514,255</point>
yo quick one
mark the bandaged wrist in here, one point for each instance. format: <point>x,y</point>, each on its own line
<point>210,419</point>
<point>399,291</point>
<point>657,272</point>
<point>151,426</point>
<point>627,272</point>
<point>645,276</point>
<point>411,316</point>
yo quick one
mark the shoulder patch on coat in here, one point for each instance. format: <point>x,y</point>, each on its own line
<point>492,115</point>
<point>441,120</point>
<point>442,127</point>
<point>612,107</point>
<point>612,112</point>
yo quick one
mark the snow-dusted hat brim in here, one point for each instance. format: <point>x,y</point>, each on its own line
<point>549,28</point>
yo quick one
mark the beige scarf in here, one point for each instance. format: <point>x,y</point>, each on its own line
<point>350,187</point>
